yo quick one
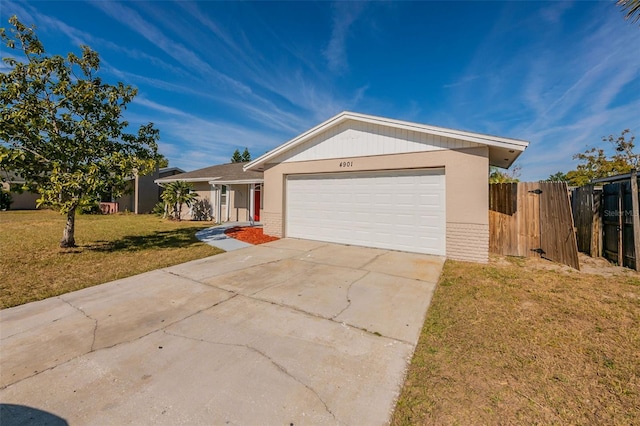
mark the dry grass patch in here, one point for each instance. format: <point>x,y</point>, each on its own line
<point>514,343</point>
<point>32,267</point>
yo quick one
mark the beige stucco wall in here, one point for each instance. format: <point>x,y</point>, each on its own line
<point>203,189</point>
<point>21,201</point>
<point>237,196</point>
<point>466,185</point>
<point>239,203</point>
<point>239,199</point>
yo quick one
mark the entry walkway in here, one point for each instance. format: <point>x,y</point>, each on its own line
<point>216,237</point>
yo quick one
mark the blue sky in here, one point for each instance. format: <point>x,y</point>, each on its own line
<point>216,76</point>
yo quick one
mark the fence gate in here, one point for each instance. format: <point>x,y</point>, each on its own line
<point>617,224</point>
<point>532,219</point>
<point>586,208</point>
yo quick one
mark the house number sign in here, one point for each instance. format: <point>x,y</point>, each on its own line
<point>346,164</point>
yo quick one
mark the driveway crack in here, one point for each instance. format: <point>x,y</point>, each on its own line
<point>95,321</point>
<point>372,260</point>
<point>163,328</point>
<point>280,367</point>
<point>348,297</point>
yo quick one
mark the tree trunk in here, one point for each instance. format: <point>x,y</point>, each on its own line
<point>68,239</point>
<point>179,212</point>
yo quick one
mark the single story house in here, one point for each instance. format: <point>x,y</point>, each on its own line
<point>142,194</point>
<point>378,182</point>
<point>226,191</point>
<point>20,200</point>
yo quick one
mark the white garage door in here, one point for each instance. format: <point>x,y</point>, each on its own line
<point>399,210</point>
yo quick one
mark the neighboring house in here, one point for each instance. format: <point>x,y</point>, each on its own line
<point>142,193</point>
<point>20,200</point>
<point>378,182</point>
<point>225,192</point>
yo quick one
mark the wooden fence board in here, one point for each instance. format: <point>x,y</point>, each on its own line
<point>596,228</point>
<point>557,236</point>
<point>635,219</point>
<point>612,222</point>
<point>517,226</point>
<point>529,219</point>
<point>581,207</point>
<point>503,219</point>
<point>586,202</point>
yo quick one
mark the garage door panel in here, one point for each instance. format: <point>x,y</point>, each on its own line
<point>401,210</point>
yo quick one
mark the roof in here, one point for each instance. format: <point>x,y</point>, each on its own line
<point>616,178</point>
<point>502,151</point>
<point>10,177</point>
<point>164,170</point>
<point>227,173</point>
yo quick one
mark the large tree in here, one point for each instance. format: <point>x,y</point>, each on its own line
<point>236,157</point>
<point>246,156</point>
<point>61,126</point>
<point>595,163</point>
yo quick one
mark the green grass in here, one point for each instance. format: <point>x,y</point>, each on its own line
<point>510,343</point>
<point>33,267</point>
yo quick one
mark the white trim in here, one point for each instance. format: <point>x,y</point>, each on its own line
<point>219,204</point>
<point>168,180</point>
<point>235,182</point>
<point>252,204</point>
<point>212,200</point>
<point>496,141</point>
<point>227,202</point>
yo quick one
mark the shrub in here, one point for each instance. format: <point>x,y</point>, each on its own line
<point>158,209</point>
<point>5,200</point>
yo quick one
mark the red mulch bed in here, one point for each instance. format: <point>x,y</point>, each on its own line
<point>249,235</point>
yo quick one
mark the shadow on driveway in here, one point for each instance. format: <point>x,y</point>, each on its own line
<point>19,415</point>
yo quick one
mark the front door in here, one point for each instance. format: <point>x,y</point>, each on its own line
<point>256,205</point>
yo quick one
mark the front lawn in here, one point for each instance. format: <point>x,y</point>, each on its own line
<point>32,267</point>
<point>513,342</point>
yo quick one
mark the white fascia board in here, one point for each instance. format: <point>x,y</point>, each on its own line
<point>169,180</point>
<point>489,140</point>
<point>235,182</point>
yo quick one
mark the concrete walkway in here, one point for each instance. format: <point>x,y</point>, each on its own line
<point>216,237</point>
<point>289,332</point>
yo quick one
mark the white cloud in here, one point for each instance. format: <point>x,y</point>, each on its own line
<point>562,90</point>
<point>177,51</point>
<point>344,15</point>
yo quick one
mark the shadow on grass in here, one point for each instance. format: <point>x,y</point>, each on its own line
<point>176,238</point>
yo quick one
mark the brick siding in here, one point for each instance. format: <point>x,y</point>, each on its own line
<point>468,241</point>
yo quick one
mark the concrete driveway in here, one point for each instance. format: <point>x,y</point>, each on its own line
<point>290,332</point>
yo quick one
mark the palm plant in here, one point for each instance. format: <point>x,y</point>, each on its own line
<point>176,194</point>
<point>632,7</point>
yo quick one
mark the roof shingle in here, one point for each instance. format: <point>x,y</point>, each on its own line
<point>222,172</point>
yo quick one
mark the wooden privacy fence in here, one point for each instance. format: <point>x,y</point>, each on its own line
<point>608,220</point>
<point>532,219</point>
<point>586,205</point>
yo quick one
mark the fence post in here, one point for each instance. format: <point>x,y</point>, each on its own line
<point>636,219</point>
